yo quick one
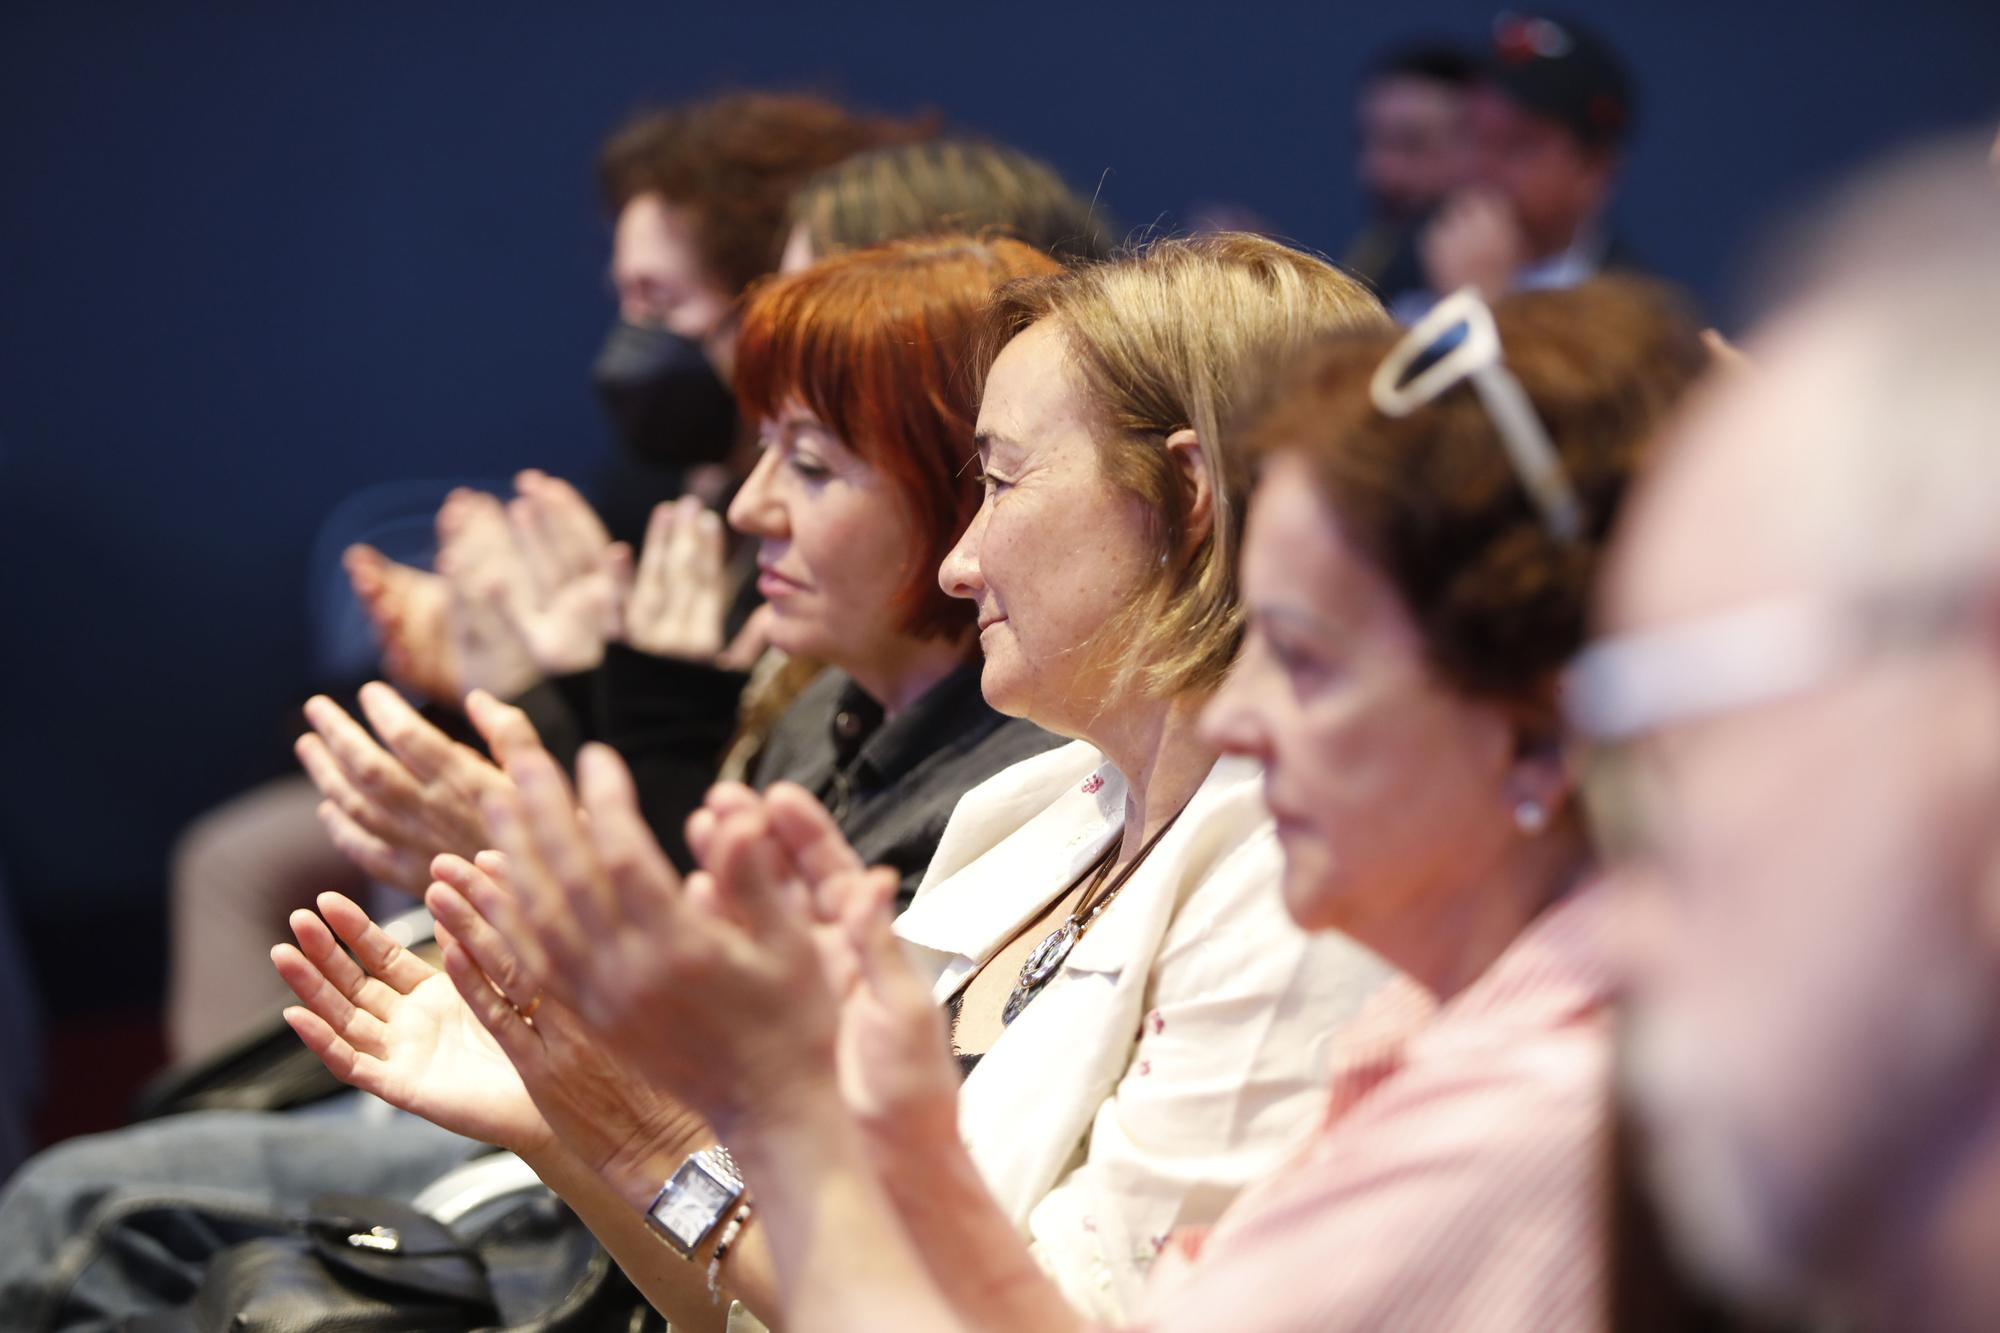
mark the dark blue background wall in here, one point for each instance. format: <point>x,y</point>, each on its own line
<point>257,256</point>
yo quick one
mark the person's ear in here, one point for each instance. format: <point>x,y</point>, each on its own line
<point>1190,460</point>
<point>1541,781</point>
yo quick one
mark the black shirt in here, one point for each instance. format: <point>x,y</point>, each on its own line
<point>892,784</point>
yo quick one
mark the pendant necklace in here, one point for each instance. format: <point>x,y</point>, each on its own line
<point>1048,957</point>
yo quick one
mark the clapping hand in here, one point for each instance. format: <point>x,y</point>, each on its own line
<point>447,632</point>
<point>390,1024</point>
<point>411,611</point>
<point>769,972</point>
<point>483,570</point>
<point>563,598</point>
<point>676,600</point>
<point>391,810</point>
<point>893,1056</point>
<point>712,988</point>
<point>458,1048</point>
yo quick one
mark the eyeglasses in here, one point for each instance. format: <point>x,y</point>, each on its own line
<point>1457,342</point>
<point>1623,689</point>
<point>1628,686</point>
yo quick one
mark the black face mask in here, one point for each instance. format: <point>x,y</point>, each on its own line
<point>665,398</point>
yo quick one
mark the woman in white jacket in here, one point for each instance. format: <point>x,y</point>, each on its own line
<point>1147,1024</point>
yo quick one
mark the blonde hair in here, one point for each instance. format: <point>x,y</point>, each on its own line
<point>1179,336</point>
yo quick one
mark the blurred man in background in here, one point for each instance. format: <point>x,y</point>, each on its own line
<point>1799,717</point>
<point>1412,156</point>
<point>1549,121</point>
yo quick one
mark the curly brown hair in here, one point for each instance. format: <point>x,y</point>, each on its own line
<point>733,161</point>
<point>1432,499</point>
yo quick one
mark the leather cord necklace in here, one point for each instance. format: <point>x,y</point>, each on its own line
<point>1048,957</point>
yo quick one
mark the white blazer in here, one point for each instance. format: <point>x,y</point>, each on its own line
<point>1180,1052</point>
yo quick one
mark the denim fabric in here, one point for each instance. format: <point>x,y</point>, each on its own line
<point>99,1229</point>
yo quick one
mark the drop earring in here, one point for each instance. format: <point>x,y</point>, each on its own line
<point>1530,816</point>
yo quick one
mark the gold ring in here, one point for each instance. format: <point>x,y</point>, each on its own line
<point>529,1012</point>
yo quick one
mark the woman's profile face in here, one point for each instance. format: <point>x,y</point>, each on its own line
<point>1385,783</point>
<point>1055,550</point>
<point>834,546</point>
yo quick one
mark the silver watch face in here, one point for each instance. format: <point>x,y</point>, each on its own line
<point>691,1204</point>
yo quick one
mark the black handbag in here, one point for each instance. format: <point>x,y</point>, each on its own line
<point>355,1264</point>
<point>360,1263</point>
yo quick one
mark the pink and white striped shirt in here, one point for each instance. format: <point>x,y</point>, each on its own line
<point>1461,1179</point>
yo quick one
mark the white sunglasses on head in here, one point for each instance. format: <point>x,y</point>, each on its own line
<point>1456,342</point>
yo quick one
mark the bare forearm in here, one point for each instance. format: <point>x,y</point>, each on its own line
<point>971,1249</point>
<point>843,1258</point>
<point>676,1287</point>
<point>842,1236</point>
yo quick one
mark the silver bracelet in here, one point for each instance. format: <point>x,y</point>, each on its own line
<point>737,1222</point>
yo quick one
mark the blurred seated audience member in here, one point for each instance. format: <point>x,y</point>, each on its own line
<point>698,196</point>
<point>945,185</point>
<point>1798,706</point>
<point>1412,154</point>
<point>1549,123</point>
<point>1415,578</point>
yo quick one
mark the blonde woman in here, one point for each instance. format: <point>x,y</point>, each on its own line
<point>1142,1023</point>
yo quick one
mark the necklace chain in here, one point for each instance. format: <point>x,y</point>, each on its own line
<point>1047,958</point>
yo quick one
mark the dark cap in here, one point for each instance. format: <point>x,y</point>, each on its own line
<point>1560,69</point>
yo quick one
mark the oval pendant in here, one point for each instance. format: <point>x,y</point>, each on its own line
<point>1016,1002</point>
<point>1040,966</point>
<point>1049,954</point>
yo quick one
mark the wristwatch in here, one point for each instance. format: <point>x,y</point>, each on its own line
<point>695,1199</point>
